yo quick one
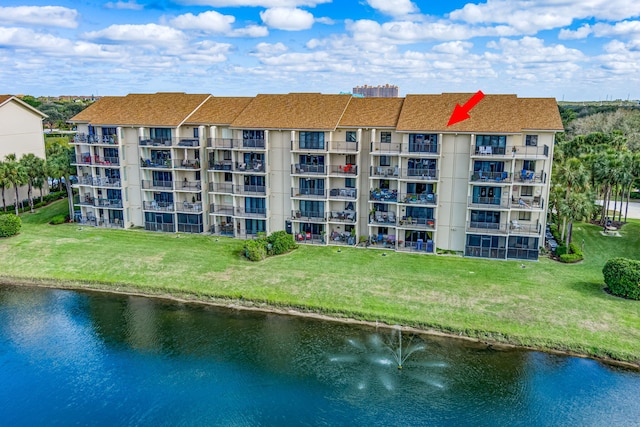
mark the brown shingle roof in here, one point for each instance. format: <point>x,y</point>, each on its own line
<point>372,112</point>
<point>4,98</point>
<point>219,110</point>
<point>493,114</point>
<point>293,111</point>
<point>159,109</point>
<point>100,108</point>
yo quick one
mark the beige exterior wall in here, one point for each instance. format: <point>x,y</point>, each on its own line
<point>21,133</point>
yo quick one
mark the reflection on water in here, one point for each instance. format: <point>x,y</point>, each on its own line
<point>69,358</point>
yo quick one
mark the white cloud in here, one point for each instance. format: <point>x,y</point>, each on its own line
<point>581,33</point>
<point>152,34</point>
<point>288,19</point>
<point>210,21</point>
<point>455,48</point>
<point>124,5</point>
<point>206,52</point>
<point>619,29</point>
<point>530,50</point>
<point>394,7</point>
<point>48,16</point>
<point>270,49</point>
<point>255,3</point>
<point>250,31</point>
<point>325,20</point>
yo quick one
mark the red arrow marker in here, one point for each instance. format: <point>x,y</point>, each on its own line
<point>461,113</point>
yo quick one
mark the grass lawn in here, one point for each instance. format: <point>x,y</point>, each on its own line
<point>545,304</point>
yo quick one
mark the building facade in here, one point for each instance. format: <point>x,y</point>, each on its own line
<point>330,169</point>
<point>21,133</point>
<point>380,91</point>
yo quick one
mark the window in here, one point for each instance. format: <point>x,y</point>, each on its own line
<point>312,140</point>
<point>423,143</point>
<point>350,182</point>
<point>160,133</point>
<point>524,216</point>
<point>255,226</point>
<point>491,140</point>
<point>350,159</point>
<point>526,191</point>
<point>385,160</point>
<point>226,155</point>
<point>228,177</point>
<point>531,140</point>
<point>385,137</point>
<point>351,136</point>
<point>529,165</point>
<point>196,132</point>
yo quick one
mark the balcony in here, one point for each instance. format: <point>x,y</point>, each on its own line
<point>423,148</point>
<point>487,227</point>
<point>527,203</point>
<point>417,223</point>
<point>530,151</point>
<point>418,246</point>
<point>154,142</point>
<point>344,146</point>
<point>309,193</point>
<point>82,138</point>
<point>253,190</point>
<point>223,229</point>
<point>383,218</point>
<point>251,212</point>
<point>85,201</point>
<point>301,169</point>
<point>422,174</point>
<point>384,195</point>
<point>343,216</point>
<point>158,226</point>
<point>226,165</point>
<point>221,187</point>
<point>184,227</point>
<point>188,185</point>
<point>106,161</point>
<point>155,163</point>
<point>99,181</point>
<point>530,177</point>
<point>524,228</point>
<point>154,205</point>
<point>307,146</point>
<point>84,159</point>
<point>187,142</point>
<point>308,216</point>
<point>483,176</point>
<point>109,203</point>
<point>226,210</point>
<point>385,148</point>
<point>186,164</point>
<point>343,193</point>
<point>251,167</point>
<point>419,198</point>
<point>191,207</point>
<point>251,143</point>
<point>309,239</point>
<point>346,170</point>
<point>157,185</point>
<point>489,202</point>
<point>222,143</point>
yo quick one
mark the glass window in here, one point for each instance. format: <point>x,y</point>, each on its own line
<point>385,136</point>
<point>531,140</point>
<point>228,177</point>
<point>196,132</point>
<point>160,133</point>
<point>312,140</point>
<point>351,136</point>
<point>350,182</point>
<point>385,160</point>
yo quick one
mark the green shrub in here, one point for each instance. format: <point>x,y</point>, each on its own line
<point>10,225</point>
<point>255,250</point>
<point>58,219</point>
<point>635,195</point>
<point>281,242</point>
<point>622,277</point>
<point>570,258</point>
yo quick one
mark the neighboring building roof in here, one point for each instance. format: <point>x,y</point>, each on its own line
<point>218,110</point>
<point>293,111</point>
<point>493,114</point>
<point>8,98</point>
<point>372,112</point>
<point>159,109</point>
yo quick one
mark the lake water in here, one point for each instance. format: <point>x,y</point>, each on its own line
<point>69,358</point>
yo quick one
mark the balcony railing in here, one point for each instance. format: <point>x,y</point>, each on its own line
<point>421,174</point>
<point>347,170</point>
<point>106,161</point>
<point>383,218</point>
<point>251,212</point>
<point>344,146</point>
<point>225,165</point>
<point>84,201</point>
<point>155,163</point>
<point>99,181</point>
<point>417,223</point>
<point>485,252</point>
<point>188,185</point>
<point>189,206</point>
<point>221,187</point>
<point>384,195</point>
<point>222,229</point>
<point>483,176</point>
<point>252,143</point>
<point>158,226</point>
<point>487,227</point>
<point>530,177</point>
<point>417,246</point>
<point>187,142</point>
<point>385,148</point>
<point>488,202</point>
<point>312,193</point>
<point>309,239</point>
<point>250,189</point>
<point>190,228</point>
<point>109,203</point>
<point>343,216</point>
<point>517,227</point>
<point>304,215</point>
<point>84,159</point>
<point>154,142</point>
<point>226,143</point>
<point>536,202</point>
<point>82,138</point>
<point>186,164</point>
<point>250,167</point>
<point>157,185</point>
<point>297,145</point>
<point>521,253</point>
<point>221,209</point>
<point>308,169</point>
<point>418,198</point>
<point>158,206</point>
<point>528,151</point>
<point>343,193</point>
<point>423,148</point>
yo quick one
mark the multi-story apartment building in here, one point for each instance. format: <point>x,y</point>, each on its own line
<point>380,91</point>
<point>20,133</point>
<point>331,169</point>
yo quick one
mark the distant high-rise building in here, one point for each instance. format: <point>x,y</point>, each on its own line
<point>386,91</point>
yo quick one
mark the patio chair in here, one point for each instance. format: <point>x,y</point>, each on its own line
<point>515,225</point>
<point>391,217</point>
<point>379,216</point>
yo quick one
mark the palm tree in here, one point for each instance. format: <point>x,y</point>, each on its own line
<point>577,207</point>
<point>574,177</point>
<point>16,175</point>
<point>59,166</point>
<point>35,169</point>
<point>4,183</point>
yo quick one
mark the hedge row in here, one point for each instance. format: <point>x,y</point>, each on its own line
<point>51,197</point>
<point>275,244</point>
<point>622,277</point>
<point>10,225</point>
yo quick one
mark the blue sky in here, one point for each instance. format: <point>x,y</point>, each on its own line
<point>571,50</point>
